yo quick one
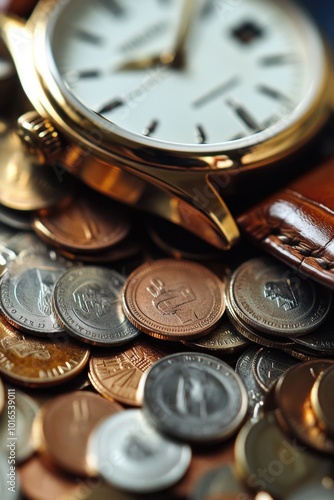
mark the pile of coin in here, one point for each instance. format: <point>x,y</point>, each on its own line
<point>127,377</point>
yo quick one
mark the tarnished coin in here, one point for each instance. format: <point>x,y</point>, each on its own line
<point>21,413</point>
<point>322,399</point>
<point>9,484</point>
<point>266,460</point>
<point>119,375</point>
<point>221,483</point>
<point>256,395</point>
<point>26,292</point>
<point>28,361</point>
<point>132,455</point>
<point>272,298</point>
<point>85,225</point>
<point>269,365</point>
<point>2,396</point>
<point>292,395</point>
<point>87,303</point>
<point>195,397</point>
<point>173,300</point>
<point>65,425</point>
<point>224,339</point>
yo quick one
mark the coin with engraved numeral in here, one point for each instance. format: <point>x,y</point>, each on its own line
<point>322,399</point>
<point>173,300</point>
<point>29,361</point>
<point>195,397</point>
<point>131,454</point>
<point>272,298</point>
<point>87,303</point>
<point>65,424</point>
<point>292,394</point>
<point>266,460</point>
<point>269,364</point>
<point>21,412</point>
<point>119,375</point>
<point>26,292</point>
<point>8,490</point>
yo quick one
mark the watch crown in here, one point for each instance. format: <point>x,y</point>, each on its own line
<point>39,136</point>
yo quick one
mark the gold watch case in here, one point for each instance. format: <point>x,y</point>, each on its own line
<point>179,186</point>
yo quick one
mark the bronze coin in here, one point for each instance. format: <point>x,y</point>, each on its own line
<point>293,391</point>
<point>173,300</point>
<point>65,425</point>
<point>33,362</point>
<point>322,399</point>
<point>83,226</point>
<point>119,375</point>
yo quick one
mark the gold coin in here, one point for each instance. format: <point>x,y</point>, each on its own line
<point>33,362</point>
<point>173,300</point>
<point>119,375</point>
<point>322,399</point>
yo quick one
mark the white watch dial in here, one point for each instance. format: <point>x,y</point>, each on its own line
<point>248,70</point>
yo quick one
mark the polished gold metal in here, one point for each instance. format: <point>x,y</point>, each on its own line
<point>125,169</point>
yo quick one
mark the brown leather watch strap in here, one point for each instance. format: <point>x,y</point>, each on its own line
<point>297,224</point>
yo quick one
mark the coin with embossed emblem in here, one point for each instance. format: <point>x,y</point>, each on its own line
<point>87,303</point>
<point>21,411</point>
<point>272,298</point>
<point>224,339</point>
<point>173,300</point>
<point>131,454</point>
<point>29,361</point>
<point>85,225</point>
<point>119,375</point>
<point>322,399</point>
<point>269,364</point>
<point>7,474</point>
<point>65,424</point>
<point>321,341</point>
<point>26,292</point>
<point>267,460</point>
<point>195,397</point>
<point>292,393</point>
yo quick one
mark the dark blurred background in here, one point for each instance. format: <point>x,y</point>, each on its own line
<point>323,12</point>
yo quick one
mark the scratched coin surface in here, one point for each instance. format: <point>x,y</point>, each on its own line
<point>65,425</point>
<point>87,303</point>
<point>119,375</point>
<point>322,399</point>
<point>293,396</point>
<point>195,397</point>
<point>131,454</point>
<point>26,292</point>
<point>274,299</point>
<point>85,225</point>
<point>269,364</point>
<point>29,361</point>
<point>21,410</point>
<point>173,300</point>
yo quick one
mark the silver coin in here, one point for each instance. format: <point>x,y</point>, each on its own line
<point>87,302</point>
<point>130,454</point>
<point>195,397</point>
<point>225,339</point>
<point>256,395</point>
<point>26,292</point>
<point>220,482</point>
<point>272,298</point>
<point>321,341</point>
<point>269,364</point>
<point>9,484</point>
<point>22,410</point>
<point>16,219</point>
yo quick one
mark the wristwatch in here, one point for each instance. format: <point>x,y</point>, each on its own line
<point>172,106</point>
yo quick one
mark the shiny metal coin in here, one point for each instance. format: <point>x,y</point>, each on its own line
<point>322,399</point>
<point>269,364</point>
<point>16,219</point>
<point>195,397</point>
<point>87,303</point>
<point>321,341</point>
<point>21,411</point>
<point>26,292</point>
<point>272,298</point>
<point>8,474</point>
<point>132,455</point>
<point>256,395</point>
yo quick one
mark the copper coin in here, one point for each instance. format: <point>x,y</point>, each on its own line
<point>120,375</point>
<point>66,423</point>
<point>293,393</point>
<point>83,226</point>
<point>174,300</point>
<point>322,399</point>
<point>25,185</point>
<point>28,361</point>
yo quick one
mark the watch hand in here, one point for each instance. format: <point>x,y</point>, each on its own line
<point>174,57</point>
